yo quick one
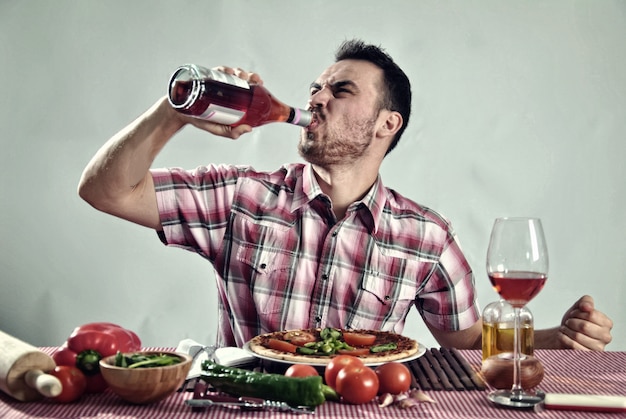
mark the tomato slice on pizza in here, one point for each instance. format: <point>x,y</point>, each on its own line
<point>359,339</point>
<point>299,337</point>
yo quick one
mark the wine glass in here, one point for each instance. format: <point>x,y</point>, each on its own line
<point>517,265</point>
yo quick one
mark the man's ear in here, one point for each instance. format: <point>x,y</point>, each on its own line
<point>391,124</point>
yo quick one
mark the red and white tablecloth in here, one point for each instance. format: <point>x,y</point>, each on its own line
<point>566,371</point>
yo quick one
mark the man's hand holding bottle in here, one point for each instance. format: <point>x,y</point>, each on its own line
<point>227,101</point>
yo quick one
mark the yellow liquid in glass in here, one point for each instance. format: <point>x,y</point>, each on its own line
<point>498,338</point>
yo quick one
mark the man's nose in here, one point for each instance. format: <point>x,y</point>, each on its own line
<point>319,98</point>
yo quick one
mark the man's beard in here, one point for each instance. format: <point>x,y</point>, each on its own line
<point>339,146</point>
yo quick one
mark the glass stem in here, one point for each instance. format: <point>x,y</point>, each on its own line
<point>517,390</point>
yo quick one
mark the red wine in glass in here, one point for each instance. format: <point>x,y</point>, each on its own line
<point>518,287</point>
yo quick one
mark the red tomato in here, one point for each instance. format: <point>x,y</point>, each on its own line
<point>281,345</point>
<point>357,384</point>
<point>354,352</point>
<point>301,370</point>
<point>358,339</point>
<point>299,338</point>
<point>73,381</point>
<point>393,378</point>
<point>336,364</point>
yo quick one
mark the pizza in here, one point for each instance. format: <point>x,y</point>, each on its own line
<point>319,346</point>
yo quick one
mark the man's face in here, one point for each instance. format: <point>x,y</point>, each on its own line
<point>346,104</point>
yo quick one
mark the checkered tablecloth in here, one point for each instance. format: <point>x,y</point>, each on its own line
<point>566,371</point>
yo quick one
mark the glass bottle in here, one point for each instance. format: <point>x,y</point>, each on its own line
<point>225,99</point>
<point>498,322</point>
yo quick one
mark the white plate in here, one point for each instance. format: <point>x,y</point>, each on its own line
<point>421,349</point>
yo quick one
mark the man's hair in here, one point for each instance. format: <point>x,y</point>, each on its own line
<point>396,94</point>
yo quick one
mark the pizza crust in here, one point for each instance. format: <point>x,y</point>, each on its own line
<point>406,348</point>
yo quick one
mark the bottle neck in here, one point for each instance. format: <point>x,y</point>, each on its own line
<point>299,117</point>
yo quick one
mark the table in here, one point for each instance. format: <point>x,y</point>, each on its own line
<point>566,371</point>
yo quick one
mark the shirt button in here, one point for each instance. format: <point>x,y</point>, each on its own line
<point>263,266</point>
<point>335,233</point>
<point>324,277</point>
<point>318,318</point>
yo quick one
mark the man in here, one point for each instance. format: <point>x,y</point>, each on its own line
<point>317,244</point>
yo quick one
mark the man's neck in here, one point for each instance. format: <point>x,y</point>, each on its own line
<point>344,185</point>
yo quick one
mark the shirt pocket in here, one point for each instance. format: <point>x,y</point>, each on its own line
<point>270,271</point>
<point>388,289</point>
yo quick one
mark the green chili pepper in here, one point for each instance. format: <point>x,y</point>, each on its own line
<point>306,350</point>
<point>120,360</point>
<point>383,348</point>
<point>325,333</point>
<point>328,333</point>
<point>145,360</point>
<point>295,391</point>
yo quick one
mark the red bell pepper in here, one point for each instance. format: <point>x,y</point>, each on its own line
<point>91,342</point>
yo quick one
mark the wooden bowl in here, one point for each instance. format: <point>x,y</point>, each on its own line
<point>145,385</point>
<point>497,371</point>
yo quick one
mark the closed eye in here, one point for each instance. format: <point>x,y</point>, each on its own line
<point>315,87</point>
<point>340,88</point>
<point>344,87</point>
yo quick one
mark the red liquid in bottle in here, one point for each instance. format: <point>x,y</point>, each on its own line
<point>211,92</point>
<point>231,104</point>
<point>516,287</point>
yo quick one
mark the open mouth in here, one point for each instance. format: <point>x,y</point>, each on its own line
<point>315,120</point>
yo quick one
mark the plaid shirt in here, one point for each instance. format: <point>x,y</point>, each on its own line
<point>283,261</point>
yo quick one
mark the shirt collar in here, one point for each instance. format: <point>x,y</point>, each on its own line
<point>307,188</point>
<point>375,201</point>
<point>310,187</point>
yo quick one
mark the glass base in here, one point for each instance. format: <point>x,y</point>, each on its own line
<point>518,400</point>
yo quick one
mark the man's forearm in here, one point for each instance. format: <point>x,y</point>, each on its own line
<point>547,338</point>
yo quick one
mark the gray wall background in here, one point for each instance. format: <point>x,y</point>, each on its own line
<point>519,109</point>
